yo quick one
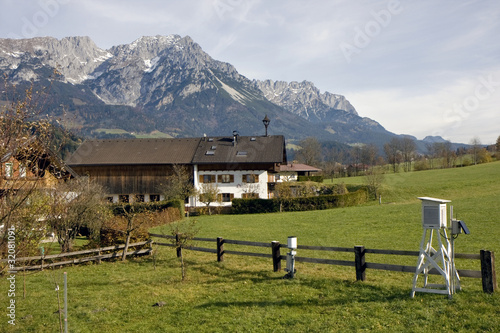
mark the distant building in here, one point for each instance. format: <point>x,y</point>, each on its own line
<point>134,169</point>
<point>292,171</point>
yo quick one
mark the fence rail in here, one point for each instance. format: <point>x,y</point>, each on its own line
<point>100,255</point>
<point>486,258</point>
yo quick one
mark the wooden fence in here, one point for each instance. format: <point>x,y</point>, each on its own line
<point>54,260</point>
<point>487,258</point>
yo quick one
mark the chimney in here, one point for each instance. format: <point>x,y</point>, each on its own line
<point>235,138</point>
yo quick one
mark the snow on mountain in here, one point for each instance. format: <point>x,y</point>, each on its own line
<point>304,99</point>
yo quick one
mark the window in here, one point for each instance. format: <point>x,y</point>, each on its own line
<point>225,179</point>
<point>154,197</point>
<point>109,199</point>
<point>250,178</point>
<point>139,198</point>
<point>250,195</point>
<point>225,197</point>
<point>241,153</point>
<point>9,170</point>
<point>123,198</point>
<point>207,179</point>
<point>22,171</point>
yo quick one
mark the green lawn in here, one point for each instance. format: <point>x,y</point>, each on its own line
<point>243,294</point>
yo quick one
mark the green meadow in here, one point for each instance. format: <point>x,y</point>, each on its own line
<point>243,294</point>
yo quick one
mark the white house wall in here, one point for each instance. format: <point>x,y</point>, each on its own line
<point>238,187</point>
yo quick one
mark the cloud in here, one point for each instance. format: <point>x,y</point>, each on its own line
<point>457,111</point>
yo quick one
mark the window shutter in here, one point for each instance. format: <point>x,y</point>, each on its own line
<point>201,179</point>
<point>212,178</point>
<point>231,178</point>
<point>256,178</point>
<point>244,178</point>
<point>231,196</point>
<point>219,178</point>
<point>219,197</point>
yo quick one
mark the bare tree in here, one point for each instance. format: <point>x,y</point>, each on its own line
<point>135,217</point>
<point>369,154</point>
<point>208,193</point>
<point>356,158</point>
<point>374,179</point>
<point>24,161</point>
<point>475,144</point>
<point>75,204</point>
<point>178,185</point>
<point>310,152</point>
<point>443,150</point>
<point>183,232</point>
<point>393,152</point>
<point>497,147</point>
<point>408,148</point>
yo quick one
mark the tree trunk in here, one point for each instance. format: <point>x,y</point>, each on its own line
<point>125,249</point>
<point>183,270</point>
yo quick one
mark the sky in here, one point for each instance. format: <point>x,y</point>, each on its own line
<point>417,67</point>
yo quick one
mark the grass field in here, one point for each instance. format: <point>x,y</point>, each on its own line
<point>243,294</point>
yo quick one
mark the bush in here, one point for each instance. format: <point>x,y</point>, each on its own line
<point>149,215</point>
<point>333,189</point>
<point>421,165</point>
<point>317,179</point>
<point>117,208</point>
<point>257,206</point>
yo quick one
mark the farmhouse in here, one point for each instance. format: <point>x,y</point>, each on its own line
<point>134,169</point>
<point>30,165</point>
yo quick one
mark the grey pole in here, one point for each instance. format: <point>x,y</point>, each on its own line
<point>65,302</point>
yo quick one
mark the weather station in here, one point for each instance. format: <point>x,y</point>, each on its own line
<point>437,250</point>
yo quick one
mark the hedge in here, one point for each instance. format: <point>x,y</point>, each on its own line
<point>257,206</point>
<point>317,179</point>
<point>118,208</point>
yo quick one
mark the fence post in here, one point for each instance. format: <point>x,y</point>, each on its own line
<point>359,262</point>
<point>178,246</point>
<point>488,274</point>
<point>220,249</point>
<point>275,246</point>
<point>99,256</point>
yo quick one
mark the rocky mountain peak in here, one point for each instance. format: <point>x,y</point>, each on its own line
<point>73,57</point>
<point>304,99</point>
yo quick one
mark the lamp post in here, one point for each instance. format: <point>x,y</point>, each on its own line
<point>266,122</point>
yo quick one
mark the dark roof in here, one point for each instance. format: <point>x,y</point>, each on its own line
<point>134,151</point>
<point>298,167</point>
<point>248,149</point>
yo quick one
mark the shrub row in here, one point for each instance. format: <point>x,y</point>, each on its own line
<point>317,179</point>
<point>256,206</point>
<point>138,207</point>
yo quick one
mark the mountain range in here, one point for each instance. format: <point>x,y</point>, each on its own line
<point>168,86</point>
